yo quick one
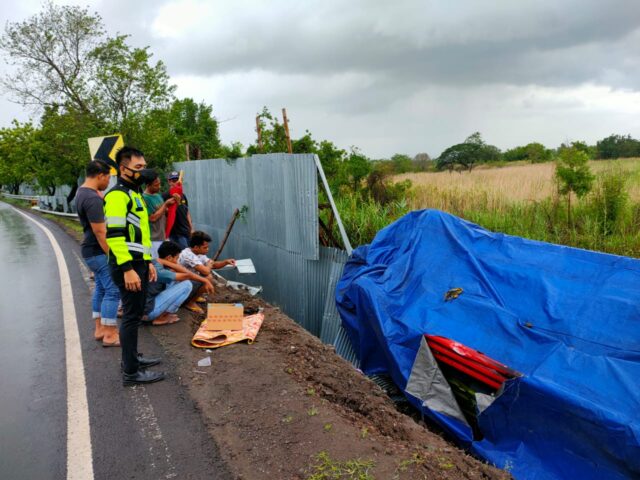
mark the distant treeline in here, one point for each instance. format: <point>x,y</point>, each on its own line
<point>474,151</point>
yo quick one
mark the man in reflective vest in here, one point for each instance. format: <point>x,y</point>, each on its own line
<point>129,241</point>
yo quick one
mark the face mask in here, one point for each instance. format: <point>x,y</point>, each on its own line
<point>144,176</point>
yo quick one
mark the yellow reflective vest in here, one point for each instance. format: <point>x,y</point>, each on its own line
<point>128,234</point>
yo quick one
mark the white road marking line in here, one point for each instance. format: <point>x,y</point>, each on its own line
<point>86,273</point>
<point>152,434</point>
<point>79,450</point>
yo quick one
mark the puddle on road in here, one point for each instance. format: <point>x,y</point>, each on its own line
<point>16,237</point>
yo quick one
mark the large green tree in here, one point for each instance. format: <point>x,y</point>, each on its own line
<point>62,57</point>
<point>467,154</point>
<point>533,152</point>
<point>618,146</point>
<point>126,81</point>
<point>196,129</point>
<point>16,159</point>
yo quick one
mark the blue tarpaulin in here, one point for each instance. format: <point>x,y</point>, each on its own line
<point>567,319</point>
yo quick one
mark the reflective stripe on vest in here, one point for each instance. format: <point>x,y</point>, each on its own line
<point>138,247</point>
<point>115,221</point>
<point>133,219</point>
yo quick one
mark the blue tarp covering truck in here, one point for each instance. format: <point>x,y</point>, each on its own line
<point>527,353</point>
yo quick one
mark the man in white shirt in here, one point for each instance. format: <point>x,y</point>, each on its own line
<point>195,259</point>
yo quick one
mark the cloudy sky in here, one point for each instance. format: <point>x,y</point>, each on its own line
<point>401,76</point>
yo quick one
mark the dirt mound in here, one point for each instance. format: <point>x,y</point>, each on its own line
<point>289,407</point>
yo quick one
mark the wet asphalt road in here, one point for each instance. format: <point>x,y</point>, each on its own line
<point>152,432</point>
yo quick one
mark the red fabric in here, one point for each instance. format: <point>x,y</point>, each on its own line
<point>469,361</point>
<point>171,210</point>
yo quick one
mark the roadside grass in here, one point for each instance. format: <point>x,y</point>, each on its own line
<point>327,468</point>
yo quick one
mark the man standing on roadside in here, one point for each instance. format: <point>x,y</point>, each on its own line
<point>182,225</point>
<point>129,240</point>
<point>90,207</point>
<point>157,208</point>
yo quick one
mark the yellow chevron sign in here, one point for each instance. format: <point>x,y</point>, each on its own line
<point>105,149</point>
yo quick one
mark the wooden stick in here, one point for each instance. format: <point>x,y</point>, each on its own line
<point>259,133</point>
<point>236,212</point>
<point>286,129</point>
<point>328,233</point>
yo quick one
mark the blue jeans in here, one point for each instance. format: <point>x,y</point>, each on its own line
<point>106,295</point>
<point>170,299</point>
<point>181,240</point>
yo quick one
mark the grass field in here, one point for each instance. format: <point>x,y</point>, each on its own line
<point>498,187</point>
<point>523,200</point>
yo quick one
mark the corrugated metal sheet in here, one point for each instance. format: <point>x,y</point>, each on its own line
<point>279,232</point>
<point>280,191</point>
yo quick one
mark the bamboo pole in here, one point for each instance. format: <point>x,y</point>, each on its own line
<point>286,129</point>
<point>236,212</point>
<point>259,130</point>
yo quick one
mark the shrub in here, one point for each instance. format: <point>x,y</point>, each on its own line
<point>609,200</point>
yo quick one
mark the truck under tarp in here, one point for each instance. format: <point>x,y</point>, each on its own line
<point>527,353</point>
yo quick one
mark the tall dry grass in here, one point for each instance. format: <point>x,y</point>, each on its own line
<point>496,188</point>
<point>523,200</point>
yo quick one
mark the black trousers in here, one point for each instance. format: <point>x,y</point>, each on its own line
<point>132,311</point>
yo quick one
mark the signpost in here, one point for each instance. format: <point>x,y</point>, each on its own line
<point>105,149</point>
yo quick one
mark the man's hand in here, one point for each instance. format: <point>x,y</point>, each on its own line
<point>230,261</point>
<point>176,197</point>
<point>153,275</point>
<point>132,281</point>
<point>170,201</point>
<point>208,286</point>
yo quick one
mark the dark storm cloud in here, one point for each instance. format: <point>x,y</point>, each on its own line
<point>471,43</point>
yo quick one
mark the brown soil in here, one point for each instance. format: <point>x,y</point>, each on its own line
<point>273,406</point>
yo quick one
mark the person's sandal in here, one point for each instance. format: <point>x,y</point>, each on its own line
<point>111,344</point>
<point>201,300</point>
<point>111,336</point>
<point>194,309</point>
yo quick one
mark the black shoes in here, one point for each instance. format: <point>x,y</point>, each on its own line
<point>147,362</point>
<point>141,377</point>
<point>143,362</point>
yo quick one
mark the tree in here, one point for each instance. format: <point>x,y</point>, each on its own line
<point>273,136</point>
<point>126,82</point>
<point>62,58</point>
<point>60,149</point>
<point>467,154</point>
<point>422,162</point>
<point>51,53</point>
<point>533,152</point>
<point>196,128</point>
<point>618,146</point>
<point>573,174</point>
<point>401,163</point>
<point>358,167</point>
<point>153,133</point>
<point>581,147</point>
<point>16,160</point>
<point>304,144</point>
<point>232,151</point>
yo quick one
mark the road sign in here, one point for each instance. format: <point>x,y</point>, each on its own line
<point>105,149</point>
